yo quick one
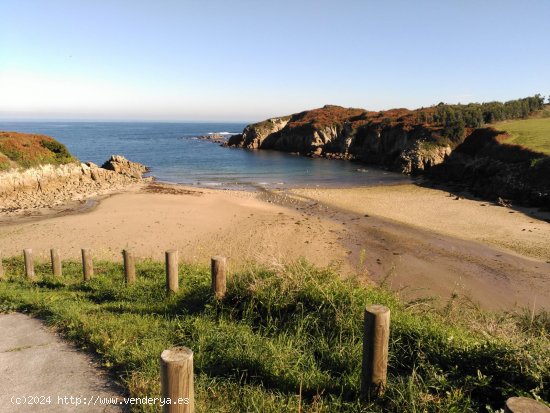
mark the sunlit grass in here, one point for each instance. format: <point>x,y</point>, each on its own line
<point>532,133</point>
<point>287,337</point>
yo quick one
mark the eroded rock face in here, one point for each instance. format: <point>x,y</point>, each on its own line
<point>421,156</point>
<point>50,185</point>
<point>339,133</point>
<point>254,135</point>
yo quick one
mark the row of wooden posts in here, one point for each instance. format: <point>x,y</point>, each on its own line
<point>218,265</point>
<point>176,364</point>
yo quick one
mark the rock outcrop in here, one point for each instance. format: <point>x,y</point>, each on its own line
<point>213,137</point>
<point>421,156</point>
<point>394,140</point>
<point>253,136</point>
<point>123,166</point>
<point>51,185</point>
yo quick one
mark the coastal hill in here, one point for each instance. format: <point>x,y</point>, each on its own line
<point>421,141</point>
<point>36,171</point>
<point>22,150</point>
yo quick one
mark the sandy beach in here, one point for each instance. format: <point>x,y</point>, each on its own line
<point>198,222</point>
<point>525,231</point>
<point>419,241</point>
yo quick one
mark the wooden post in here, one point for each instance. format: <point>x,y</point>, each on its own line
<point>87,264</point>
<point>29,265</point>
<point>172,271</point>
<point>56,262</point>
<point>176,380</point>
<point>375,351</point>
<point>524,405</point>
<point>218,266</point>
<point>129,266</point>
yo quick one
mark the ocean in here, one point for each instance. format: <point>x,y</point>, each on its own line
<point>175,155</point>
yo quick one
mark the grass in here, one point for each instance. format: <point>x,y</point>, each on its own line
<point>287,339</point>
<point>533,133</point>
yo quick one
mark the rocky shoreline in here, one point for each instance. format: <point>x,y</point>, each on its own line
<point>218,138</point>
<point>214,137</point>
<point>48,186</point>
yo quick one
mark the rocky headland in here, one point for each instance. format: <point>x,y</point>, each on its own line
<point>31,181</point>
<point>392,138</point>
<point>447,143</point>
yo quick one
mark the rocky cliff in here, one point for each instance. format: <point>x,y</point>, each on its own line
<point>57,182</point>
<point>392,138</point>
<point>493,169</point>
<point>426,141</point>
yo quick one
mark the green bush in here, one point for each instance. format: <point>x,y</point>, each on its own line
<point>60,151</point>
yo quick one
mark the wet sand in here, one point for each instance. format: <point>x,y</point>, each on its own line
<point>425,242</point>
<point>523,230</point>
<point>421,242</point>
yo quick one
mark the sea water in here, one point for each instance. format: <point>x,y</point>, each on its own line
<point>175,154</point>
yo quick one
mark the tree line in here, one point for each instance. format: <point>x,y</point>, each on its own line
<point>455,118</point>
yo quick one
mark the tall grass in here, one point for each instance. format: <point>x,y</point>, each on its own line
<point>288,339</point>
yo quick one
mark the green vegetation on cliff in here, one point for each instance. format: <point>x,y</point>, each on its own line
<point>451,143</point>
<point>531,133</point>
<point>287,339</point>
<point>22,150</point>
<point>475,115</point>
<point>378,137</point>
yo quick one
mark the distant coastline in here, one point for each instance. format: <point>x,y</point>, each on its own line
<point>175,155</point>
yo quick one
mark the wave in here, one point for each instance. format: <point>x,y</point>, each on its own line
<point>210,183</point>
<point>223,133</point>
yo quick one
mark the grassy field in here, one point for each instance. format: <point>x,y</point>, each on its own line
<point>532,133</point>
<point>287,339</point>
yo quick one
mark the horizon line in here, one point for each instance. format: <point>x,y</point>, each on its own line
<point>71,120</point>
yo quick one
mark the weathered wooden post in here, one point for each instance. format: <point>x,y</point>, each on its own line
<point>129,266</point>
<point>176,380</point>
<point>87,264</point>
<point>29,264</point>
<point>375,351</point>
<point>219,269</point>
<point>56,262</point>
<point>172,285</point>
<point>524,405</point>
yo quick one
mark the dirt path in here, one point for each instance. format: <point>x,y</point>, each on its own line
<point>37,367</point>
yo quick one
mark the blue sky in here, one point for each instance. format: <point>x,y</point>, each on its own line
<point>248,60</point>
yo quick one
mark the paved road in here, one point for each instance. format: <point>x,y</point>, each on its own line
<point>35,363</point>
